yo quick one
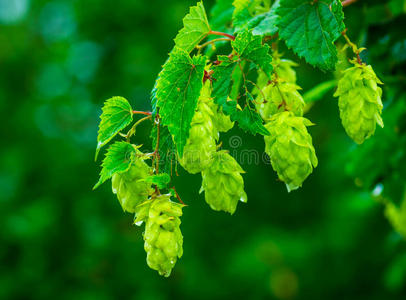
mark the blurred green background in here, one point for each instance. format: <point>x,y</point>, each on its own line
<point>59,60</point>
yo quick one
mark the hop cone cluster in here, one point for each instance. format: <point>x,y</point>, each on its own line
<point>221,121</point>
<point>200,146</point>
<point>162,236</point>
<point>290,148</point>
<point>360,102</point>
<point>279,96</point>
<point>130,187</point>
<point>223,184</point>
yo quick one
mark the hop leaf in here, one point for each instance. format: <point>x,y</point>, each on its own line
<point>223,184</point>
<point>131,186</point>
<point>196,28</point>
<point>267,24</point>
<point>360,102</point>
<point>117,114</point>
<point>118,159</point>
<point>200,146</point>
<point>290,148</point>
<point>160,180</point>
<point>162,236</point>
<point>310,28</point>
<point>250,48</point>
<point>177,92</point>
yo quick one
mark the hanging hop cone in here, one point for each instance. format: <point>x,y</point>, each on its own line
<point>221,121</point>
<point>130,186</point>
<point>290,148</point>
<point>223,184</point>
<point>359,101</point>
<point>162,236</point>
<point>279,96</point>
<point>201,144</point>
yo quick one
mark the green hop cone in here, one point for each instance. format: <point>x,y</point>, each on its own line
<point>162,236</point>
<point>221,121</point>
<point>279,96</point>
<point>223,184</point>
<point>201,144</point>
<point>130,187</point>
<point>360,102</point>
<point>290,148</point>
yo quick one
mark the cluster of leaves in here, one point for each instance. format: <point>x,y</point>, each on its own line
<point>309,28</point>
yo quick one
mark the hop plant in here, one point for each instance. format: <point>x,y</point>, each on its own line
<point>290,148</point>
<point>162,236</point>
<point>131,187</point>
<point>201,144</point>
<point>359,101</point>
<point>221,121</point>
<point>223,184</point>
<point>279,96</point>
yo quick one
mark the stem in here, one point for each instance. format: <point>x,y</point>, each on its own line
<point>132,130</point>
<point>156,151</point>
<point>348,2</point>
<point>137,112</point>
<point>177,195</point>
<point>211,42</point>
<point>222,34</point>
<point>353,46</point>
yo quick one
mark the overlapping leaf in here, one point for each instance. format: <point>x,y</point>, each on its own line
<point>117,114</point>
<point>167,148</point>
<point>118,159</point>
<point>267,22</point>
<point>195,28</point>
<point>177,92</point>
<point>310,28</point>
<point>250,48</point>
<point>248,119</point>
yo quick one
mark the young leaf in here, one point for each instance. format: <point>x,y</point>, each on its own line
<point>250,48</point>
<point>250,121</point>
<point>117,114</point>
<point>161,180</point>
<point>178,90</point>
<point>267,25</point>
<point>310,28</point>
<point>118,159</point>
<point>195,28</point>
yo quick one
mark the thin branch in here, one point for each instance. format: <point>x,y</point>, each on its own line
<point>211,42</point>
<point>177,195</point>
<point>348,2</point>
<point>222,34</point>
<point>137,112</point>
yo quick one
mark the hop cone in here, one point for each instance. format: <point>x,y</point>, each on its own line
<point>200,146</point>
<point>279,96</point>
<point>221,121</point>
<point>360,102</point>
<point>130,187</point>
<point>290,148</point>
<point>283,70</point>
<point>162,236</point>
<point>223,184</point>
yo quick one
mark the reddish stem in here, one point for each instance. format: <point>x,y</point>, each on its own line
<point>222,34</point>
<point>177,195</point>
<point>348,2</point>
<point>137,112</point>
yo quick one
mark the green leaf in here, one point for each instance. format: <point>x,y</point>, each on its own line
<point>161,180</point>
<point>267,24</point>
<point>241,14</point>
<point>117,160</point>
<point>117,114</point>
<point>310,28</point>
<point>318,92</point>
<point>250,48</point>
<point>178,90</point>
<point>195,28</point>
<point>167,148</point>
<point>248,119</point>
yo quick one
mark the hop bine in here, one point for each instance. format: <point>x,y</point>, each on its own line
<point>290,148</point>
<point>223,184</point>
<point>359,101</point>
